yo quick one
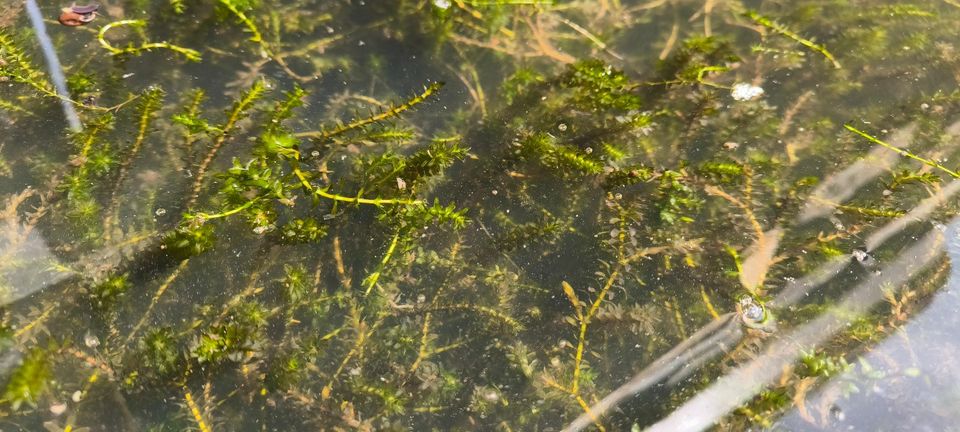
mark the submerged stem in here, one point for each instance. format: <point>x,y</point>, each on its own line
<point>356,200</point>
<point>903,152</point>
<point>390,113</point>
<point>781,29</point>
<point>375,276</point>
<point>236,113</point>
<point>190,54</point>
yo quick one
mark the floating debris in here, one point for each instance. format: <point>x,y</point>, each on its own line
<point>745,92</point>
<point>58,408</point>
<point>90,340</point>
<point>864,258</point>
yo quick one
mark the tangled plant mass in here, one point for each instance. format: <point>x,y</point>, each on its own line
<point>456,215</point>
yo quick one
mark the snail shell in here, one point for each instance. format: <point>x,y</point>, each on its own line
<point>84,10</point>
<point>71,19</point>
<point>755,315</point>
<point>74,16</point>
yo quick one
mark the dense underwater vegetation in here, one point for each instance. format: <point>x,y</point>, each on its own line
<point>513,215</point>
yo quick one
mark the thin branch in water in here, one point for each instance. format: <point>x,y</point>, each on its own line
<point>596,41</point>
<point>156,299</point>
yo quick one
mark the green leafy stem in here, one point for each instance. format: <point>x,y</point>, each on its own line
<point>902,152</point>
<point>783,30</point>
<point>190,54</point>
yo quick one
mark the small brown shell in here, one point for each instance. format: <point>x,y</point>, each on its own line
<point>71,19</point>
<point>74,16</point>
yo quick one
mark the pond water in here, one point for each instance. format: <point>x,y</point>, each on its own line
<point>510,215</point>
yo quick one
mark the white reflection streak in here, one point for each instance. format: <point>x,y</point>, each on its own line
<point>794,291</point>
<point>918,214</point>
<point>28,268</point>
<point>732,390</point>
<point>720,335</point>
<point>840,186</point>
<point>53,64</point>
<point>706,343</point>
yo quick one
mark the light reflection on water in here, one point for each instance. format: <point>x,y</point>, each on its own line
<point>864,294</point>
<point>742,384</point>
<point>30,267</point>
<point>909,380</point>
<point>916,375</point>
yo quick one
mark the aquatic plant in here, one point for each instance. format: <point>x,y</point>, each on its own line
<point>456,214</point>
<point>188,53</point>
